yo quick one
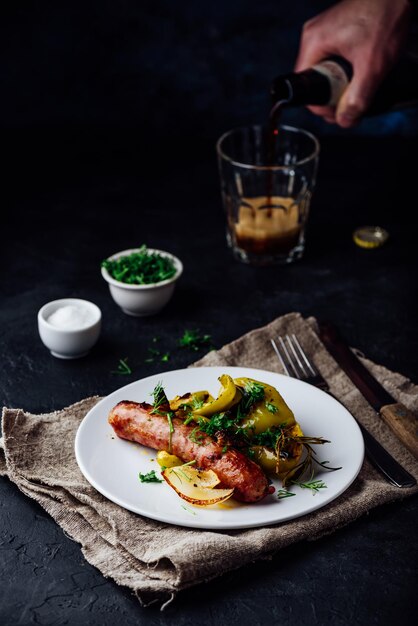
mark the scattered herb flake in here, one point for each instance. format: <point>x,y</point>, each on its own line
<point>271,407</point>
<point>123,368</point>
<point>151,477</point>
<point>193,340</point>
<point>188,510</point>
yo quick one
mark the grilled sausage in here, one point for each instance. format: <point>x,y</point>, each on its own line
<point>135,422</point>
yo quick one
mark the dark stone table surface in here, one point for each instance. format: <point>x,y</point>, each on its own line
<point>109,116</point>
<point>64,214</point>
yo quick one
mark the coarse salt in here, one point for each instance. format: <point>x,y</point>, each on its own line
<point>70,317</point>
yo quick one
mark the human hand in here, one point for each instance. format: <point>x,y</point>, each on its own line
<point>368,33</point>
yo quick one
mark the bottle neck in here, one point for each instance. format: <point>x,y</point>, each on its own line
<point>322,84</point>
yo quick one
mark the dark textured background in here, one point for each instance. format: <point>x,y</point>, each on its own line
<point>109,115</point>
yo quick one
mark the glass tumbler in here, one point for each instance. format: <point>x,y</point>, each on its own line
<point>267,178</point>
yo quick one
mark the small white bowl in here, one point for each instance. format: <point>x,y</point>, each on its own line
<point>69,343</point>
<point>142,300</point>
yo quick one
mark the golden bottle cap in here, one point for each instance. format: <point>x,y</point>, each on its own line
<point>370,236</point>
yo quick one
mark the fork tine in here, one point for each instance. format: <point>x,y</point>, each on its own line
<point>285,359</point>
<point>279,356</point>
<point>290,340</point>
<point>309,365</point>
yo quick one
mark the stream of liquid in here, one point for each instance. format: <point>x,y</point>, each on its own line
<point>269,224</point>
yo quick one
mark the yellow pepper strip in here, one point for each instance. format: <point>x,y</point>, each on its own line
<point>267,459</point>
<point>228,397</point>
<point>191,399</point>
<point>270,411</point>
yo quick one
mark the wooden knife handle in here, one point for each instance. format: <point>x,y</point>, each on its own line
<point>403,423</point>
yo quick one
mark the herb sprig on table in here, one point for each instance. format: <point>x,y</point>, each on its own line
<point>140,268</point>
<point>194,340</point>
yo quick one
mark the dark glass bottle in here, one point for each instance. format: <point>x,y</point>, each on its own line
<point>324,83</point>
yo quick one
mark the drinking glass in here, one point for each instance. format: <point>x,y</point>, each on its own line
<point>267,178</point>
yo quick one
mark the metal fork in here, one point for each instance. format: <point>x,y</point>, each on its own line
<point>297,365</point>
<point>295,362</point>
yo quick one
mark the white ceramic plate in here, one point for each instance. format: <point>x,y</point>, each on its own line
<point>112,465</point>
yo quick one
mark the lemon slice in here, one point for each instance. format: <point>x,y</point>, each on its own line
<point>196,486</point>
<point>370,236</point>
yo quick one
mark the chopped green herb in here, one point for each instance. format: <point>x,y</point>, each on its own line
<point>123,368</point>
<point>284,493</point>
<point>193,340</point>
<point>141,268</point>
<point>189,419</point>
<point>219,422</point>
<point>154,355</point>
<point>151,477</point>
<point>269,437</point>
<point>170,415</point>
<point>271,407</point>
<point>225,449</point>
<point>197,403</point>
<point>253,392</point>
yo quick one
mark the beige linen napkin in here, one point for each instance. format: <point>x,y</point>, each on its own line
<point>156,560</point>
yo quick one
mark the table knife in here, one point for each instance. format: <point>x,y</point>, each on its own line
<point>397,416</point>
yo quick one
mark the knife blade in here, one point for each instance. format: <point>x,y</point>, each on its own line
<point>397,416</point>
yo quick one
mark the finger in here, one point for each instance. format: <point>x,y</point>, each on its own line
<point>311,48</point>
<point>357,97</point>
<point>322,111</point>
<point>308,55</point>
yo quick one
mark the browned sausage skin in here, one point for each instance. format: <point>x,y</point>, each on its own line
<point>135,422</point>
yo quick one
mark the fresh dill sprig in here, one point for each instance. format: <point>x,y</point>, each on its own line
<point>123,368</point>
<point>159,396</point>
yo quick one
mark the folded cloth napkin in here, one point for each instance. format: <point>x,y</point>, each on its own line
<point>156,560</point>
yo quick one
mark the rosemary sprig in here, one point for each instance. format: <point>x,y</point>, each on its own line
<point>296,474</point>
<point>284,493</point>
<point>313,485</point>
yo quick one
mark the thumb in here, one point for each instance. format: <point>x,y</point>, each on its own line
<point>356,98</point>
